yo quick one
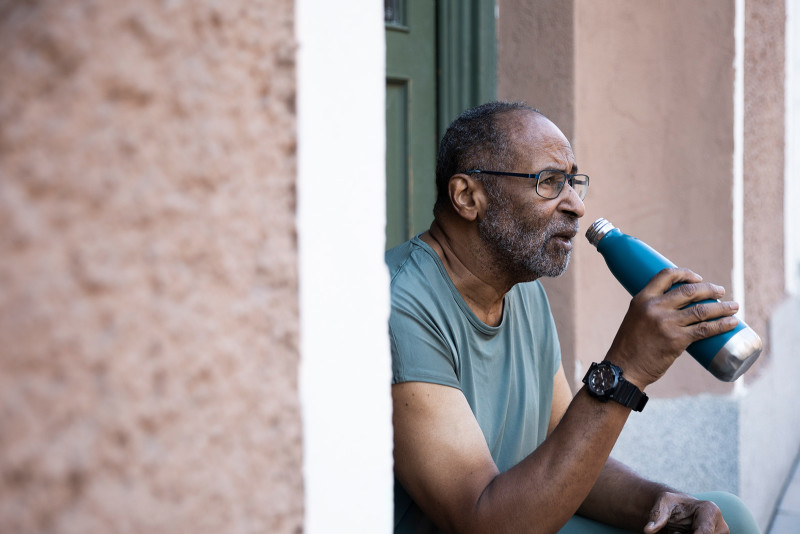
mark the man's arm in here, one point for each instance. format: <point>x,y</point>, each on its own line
<point>442,459</point>
<point>619,497</point>
<point>622,498</point>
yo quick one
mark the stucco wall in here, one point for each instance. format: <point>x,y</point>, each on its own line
<point>148,286</point>
<point>763,190</point>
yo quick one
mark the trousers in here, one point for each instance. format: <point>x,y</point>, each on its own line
<point>734,511</point>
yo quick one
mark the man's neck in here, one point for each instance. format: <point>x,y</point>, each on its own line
<point>471,269</point>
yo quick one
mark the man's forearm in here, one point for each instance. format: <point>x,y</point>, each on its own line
<point>559,475</point>
<point>622,498</point>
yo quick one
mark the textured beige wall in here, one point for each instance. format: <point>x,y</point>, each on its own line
<point>764,111</point>
<point>148,286</point>
<point>536,57</point>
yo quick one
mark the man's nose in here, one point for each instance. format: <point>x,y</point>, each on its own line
<point>571,202</point>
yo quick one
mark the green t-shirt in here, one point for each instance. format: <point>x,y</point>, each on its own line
<point>505,372</point>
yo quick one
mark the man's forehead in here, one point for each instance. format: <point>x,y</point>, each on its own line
<point>531,130</point>
<point>526,123</point>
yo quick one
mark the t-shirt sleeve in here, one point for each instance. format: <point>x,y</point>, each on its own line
<point>419,350</point>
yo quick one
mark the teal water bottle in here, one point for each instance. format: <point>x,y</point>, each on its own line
<point>726,356</point>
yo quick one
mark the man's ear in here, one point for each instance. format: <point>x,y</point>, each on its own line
<point>467,196</point>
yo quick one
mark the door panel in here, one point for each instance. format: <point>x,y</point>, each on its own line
<point>397,160</point>
<point>410,118</point>
<point>441,58</point>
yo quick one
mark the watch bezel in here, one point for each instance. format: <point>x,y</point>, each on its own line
<point>621,391</point>
<point>602,367</point>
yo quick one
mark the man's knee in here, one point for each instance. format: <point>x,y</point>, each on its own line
<point>734,511</point>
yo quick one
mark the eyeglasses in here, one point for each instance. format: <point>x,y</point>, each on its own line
<point>549,183</point>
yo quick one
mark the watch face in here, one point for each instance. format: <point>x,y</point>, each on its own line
<point>602,380</point>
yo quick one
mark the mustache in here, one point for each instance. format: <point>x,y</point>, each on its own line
<point>564,227</point>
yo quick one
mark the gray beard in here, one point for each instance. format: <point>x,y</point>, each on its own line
<point>521,247</point>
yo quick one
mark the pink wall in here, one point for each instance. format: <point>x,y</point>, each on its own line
<point>763,190</point>
<point>148,286</point>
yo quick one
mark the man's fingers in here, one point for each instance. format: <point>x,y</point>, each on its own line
<point>707,311</point>
<point>712,328</point>
<point>685,295</point>
<point>659,516</point>
<point>675,513</point>
<point>667,278</point>
<point>708,519</point>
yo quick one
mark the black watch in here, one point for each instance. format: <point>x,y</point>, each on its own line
<point>604,381</point>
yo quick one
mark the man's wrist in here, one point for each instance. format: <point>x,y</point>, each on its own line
<point>605,381</point>
<point>629,371</point>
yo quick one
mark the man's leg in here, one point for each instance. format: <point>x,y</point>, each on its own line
<point>734,511</point>
<point>581,525</point>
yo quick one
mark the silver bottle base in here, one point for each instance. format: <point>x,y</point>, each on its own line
<point>736,356</point>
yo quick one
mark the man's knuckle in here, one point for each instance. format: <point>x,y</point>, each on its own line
<point>688,290</point>
<point>703,330</point>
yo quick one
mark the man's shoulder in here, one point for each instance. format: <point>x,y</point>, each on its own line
<point>410,260</point>
<point>419,284</point>
<point>396,257</point>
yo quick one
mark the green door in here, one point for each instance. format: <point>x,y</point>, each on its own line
<point>410,117</point>
<point>441,58</point>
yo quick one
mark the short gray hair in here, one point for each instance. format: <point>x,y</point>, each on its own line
<point>476,139</point>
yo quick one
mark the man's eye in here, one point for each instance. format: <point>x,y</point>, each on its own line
<point>550,180</point>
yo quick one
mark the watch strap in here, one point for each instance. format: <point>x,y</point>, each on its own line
<point>629,395</point>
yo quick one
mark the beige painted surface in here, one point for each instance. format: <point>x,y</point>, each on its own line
<point>536,57</point>
<point>763,189</point>
<point>148,286</point>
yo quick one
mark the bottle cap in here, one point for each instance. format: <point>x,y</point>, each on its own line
<point>598,230</point>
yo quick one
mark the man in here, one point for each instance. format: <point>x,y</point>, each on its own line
<point>488,437</point>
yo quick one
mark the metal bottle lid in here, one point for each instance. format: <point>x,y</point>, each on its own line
<point>598,230</point>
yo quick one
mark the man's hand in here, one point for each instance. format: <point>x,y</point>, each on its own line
<point>660,323</point>
<point>678,512</point>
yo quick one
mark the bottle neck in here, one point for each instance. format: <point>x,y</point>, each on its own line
<point>598,230</point>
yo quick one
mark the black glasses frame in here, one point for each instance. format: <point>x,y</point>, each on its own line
<point>572,179</point>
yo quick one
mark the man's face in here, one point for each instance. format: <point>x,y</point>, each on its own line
<point>531,236</point>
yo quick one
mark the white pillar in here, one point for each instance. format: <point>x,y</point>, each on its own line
<point>344,287</point>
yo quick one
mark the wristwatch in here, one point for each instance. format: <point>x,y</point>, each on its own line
<point>604,381</point>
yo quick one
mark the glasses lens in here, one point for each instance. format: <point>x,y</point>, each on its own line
<point>550,183</point>
<point>580,183</point>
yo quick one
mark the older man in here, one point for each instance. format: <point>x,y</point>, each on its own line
<point>488,436</point>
